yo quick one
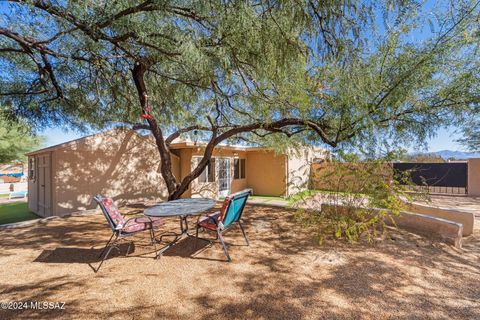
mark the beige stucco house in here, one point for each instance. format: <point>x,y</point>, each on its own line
<point>125,165</point>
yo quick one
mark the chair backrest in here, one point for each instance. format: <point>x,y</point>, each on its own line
<point>110,211</point>
<point>233,206</point>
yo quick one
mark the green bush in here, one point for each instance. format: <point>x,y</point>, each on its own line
<point>361,196</point>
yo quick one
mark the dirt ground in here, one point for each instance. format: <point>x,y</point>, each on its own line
<point>283,274</point>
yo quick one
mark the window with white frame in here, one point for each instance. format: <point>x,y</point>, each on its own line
<point>208,175</point>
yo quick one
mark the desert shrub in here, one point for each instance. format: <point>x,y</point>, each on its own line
<point>358,198</point>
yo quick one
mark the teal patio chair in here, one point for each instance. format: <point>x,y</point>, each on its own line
<point>226,218</point>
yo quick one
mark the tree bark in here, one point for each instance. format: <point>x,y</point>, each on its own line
<point>175,188</point>
<point>207,155</point>
<point>138,73</point>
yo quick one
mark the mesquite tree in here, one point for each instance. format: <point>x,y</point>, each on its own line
<point>318,71</point>
<point>15,140</point>
<point>471,132</point>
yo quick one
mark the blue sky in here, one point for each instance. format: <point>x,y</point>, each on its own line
<point>445,140</point>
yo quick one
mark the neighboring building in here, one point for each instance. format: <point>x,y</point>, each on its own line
<point>11,172</point>
<point>126,165</point>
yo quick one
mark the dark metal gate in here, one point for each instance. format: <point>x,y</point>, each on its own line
<point>450,177</point>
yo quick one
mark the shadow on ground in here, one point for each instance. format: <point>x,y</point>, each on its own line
<point>283,274</point>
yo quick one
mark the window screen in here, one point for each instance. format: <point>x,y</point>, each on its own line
<point>203,176</point>
<point>211,170</point>
<point>207,175</point>
<point>239,168</point>
<point>236,169</point>
<point>242,168</point>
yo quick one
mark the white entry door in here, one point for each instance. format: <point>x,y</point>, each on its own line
<point>223,177</point>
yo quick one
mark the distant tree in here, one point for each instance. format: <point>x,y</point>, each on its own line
<point>278,71</point>
<point>423,158</point>
<point>471,134</point>
<point>15,141</point>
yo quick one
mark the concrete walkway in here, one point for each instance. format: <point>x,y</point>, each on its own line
<point>7,200</point>
<point>468,204</point>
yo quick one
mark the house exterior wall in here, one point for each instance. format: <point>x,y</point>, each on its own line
<point>126,166</point>
<point>117,163</point>
<point>211,189</point>
<point>266,173</point>
<point>185,168</point>
<point>299,163</point>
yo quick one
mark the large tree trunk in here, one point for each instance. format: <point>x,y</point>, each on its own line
<point>175,189</point>
<point>138,73</point>
<point>183,186</point>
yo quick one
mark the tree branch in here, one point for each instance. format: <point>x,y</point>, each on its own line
<point>177,134</point>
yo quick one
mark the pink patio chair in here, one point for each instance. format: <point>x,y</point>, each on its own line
<point>123,228</point>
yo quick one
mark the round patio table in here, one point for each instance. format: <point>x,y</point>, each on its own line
<point>181,208</point>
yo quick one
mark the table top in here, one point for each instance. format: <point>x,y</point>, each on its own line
<point>181,207</point>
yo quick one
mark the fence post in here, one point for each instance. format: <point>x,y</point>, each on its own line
<point>474,177</point>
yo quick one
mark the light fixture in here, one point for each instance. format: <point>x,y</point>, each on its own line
<point>195,137</point>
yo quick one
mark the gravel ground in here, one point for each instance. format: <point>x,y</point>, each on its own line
<point>283,274</point>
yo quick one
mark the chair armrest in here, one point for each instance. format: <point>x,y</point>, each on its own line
<point>199,217</point>
<point>209,217</point>
<point>136,217</point>
<point>122,226</point>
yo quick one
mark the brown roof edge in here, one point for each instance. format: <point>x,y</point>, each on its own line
<point>192,145</point>
<point>177,145</point>
<point>66,144</point>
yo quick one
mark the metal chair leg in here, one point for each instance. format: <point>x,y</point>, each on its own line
<point>106,255</point>
<point>224,246</point>
<point>152,236</point>
<point>244,234</point>
<point>154,241</point>
<point>105,248</point>
<point>128,248</point>
<point>196,238</point>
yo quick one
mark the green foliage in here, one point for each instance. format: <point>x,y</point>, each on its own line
<point>15,141</point>
<point>195,48</point>
<point>423,158</point>
<point>244,62</point>
<point>402,92</point>
<point>471,133</point>
<point>361,197</point>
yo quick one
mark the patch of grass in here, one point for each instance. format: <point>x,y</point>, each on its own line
<point>267,198</point>
<point>15,212</point>
<point>345,193</point>
<point>4,194</point>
